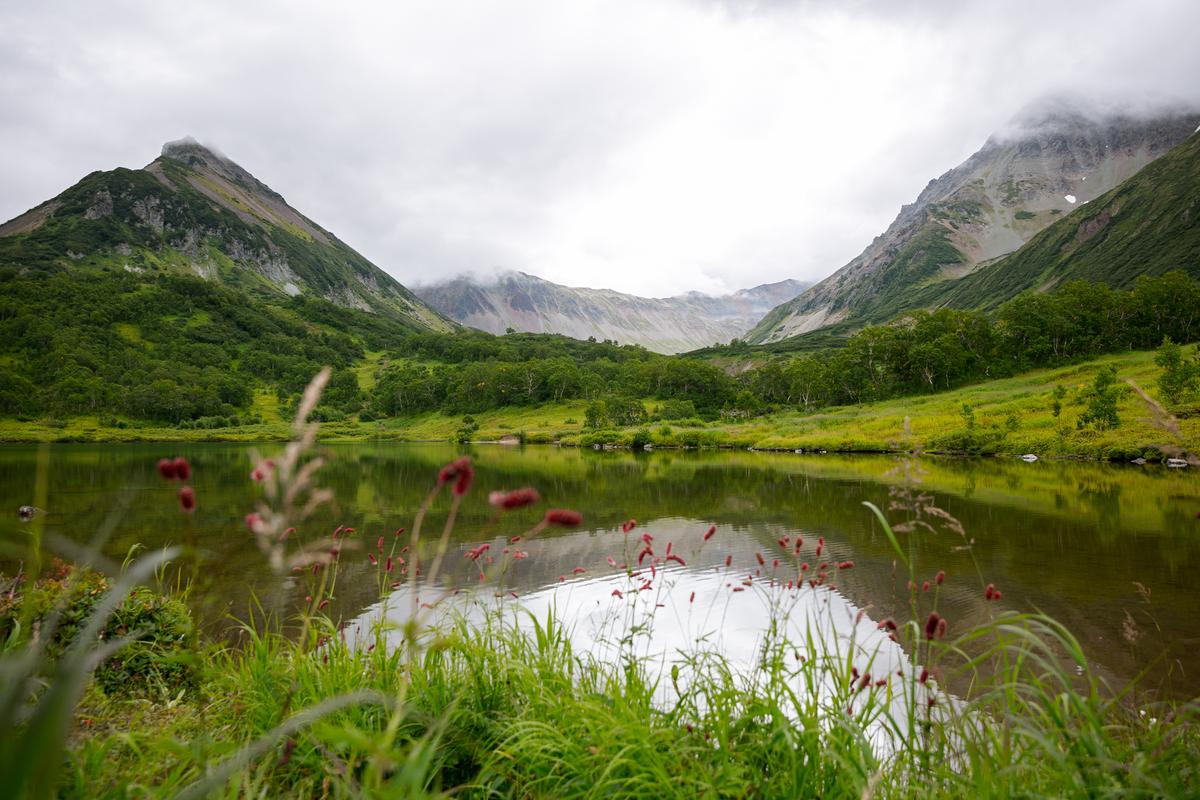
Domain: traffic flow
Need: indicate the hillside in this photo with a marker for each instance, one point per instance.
(1053, 159)
(1148, 225)
(665, 325)
(193, 211)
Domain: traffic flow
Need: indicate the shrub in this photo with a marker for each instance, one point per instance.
(160, 660)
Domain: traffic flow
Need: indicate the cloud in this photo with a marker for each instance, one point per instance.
(653, 146)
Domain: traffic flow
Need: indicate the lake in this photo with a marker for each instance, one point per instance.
(1112, 551)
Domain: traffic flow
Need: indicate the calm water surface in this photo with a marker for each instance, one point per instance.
(1112, 551)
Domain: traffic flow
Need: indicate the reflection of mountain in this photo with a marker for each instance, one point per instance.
(1065, 537)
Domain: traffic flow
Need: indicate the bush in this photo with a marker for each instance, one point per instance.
(160, 660)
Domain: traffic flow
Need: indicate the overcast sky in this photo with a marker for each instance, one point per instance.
(647, 146)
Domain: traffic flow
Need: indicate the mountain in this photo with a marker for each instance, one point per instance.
(1148, 225)
(1052, 159)
(666, 325)
(194, 211)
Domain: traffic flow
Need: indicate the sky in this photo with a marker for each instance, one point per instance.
(647, 146)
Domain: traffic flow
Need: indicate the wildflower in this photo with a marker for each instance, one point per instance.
(924, 676)
(517, 498)
(739, 588)
(996, 595)
(611, 562)
(520, 554)
(761, 560)
(398, 532)
(846, 565)
(187, 499)
(692, 598)
(824, 565)
(887, 624)
(941, 628)
(775, 563)
(865, 682)
(374, 561)
(783, 542)
(799, 544)
(804, 567)
(286, 533)
(323, 603)
(617, 593)
(388, 565)
(709, 534)
(166, 468)
(183, 470)
(252, 521)
(728, 559)
(379, 545)
(628, 525)
(940, 577)
(925, 586)
(461, 472)
(578, 571)
(931, 625)
(648, 539)
(564, 517)
(990, 592)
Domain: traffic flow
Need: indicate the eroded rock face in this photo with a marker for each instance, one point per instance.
(666, 325)
(1021, 181)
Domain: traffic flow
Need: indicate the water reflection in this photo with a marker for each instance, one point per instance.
(1093, 545)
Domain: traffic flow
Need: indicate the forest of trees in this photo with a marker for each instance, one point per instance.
(183, 351)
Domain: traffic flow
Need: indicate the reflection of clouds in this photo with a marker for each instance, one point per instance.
(685, 613)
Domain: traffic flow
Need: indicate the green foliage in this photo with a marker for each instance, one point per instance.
(1178, 375)
(467, 430)
(1056, 405)
(1101, 399)
(159, 661)
(1024, 215)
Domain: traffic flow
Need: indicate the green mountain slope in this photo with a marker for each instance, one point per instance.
(194, 211)
(1050, 162)
(1148, 225)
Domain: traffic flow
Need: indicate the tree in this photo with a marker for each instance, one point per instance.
(1101, 411)
(1178, 375)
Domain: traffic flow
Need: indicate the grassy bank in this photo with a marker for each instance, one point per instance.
(1010, 416)
(463, 693)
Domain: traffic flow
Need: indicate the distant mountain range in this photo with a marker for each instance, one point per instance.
(194, 211)
(666, 325)
(949, 245)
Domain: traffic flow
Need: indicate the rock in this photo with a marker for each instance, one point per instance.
(1029, 458)
(1138, 461)
(26, 513)
(1176, 463)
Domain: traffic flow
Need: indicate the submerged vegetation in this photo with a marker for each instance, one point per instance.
(440, 690)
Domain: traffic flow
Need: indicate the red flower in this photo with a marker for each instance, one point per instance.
(692, 598)
(924, 676)
(761, 561)
(578, 571)
(371, 557)
(166, 468)
(187, 499)
(564, 517)
(379, 545)
(461, 472)
(941, 628)
(183, 470)
(628, 525)
(846, 565)
(617, 593)
(252, 521)
(728, 559)
(709, 534)
(931, 625)
(517, 498)
(989, 592)
(388, 567)
(925, 586)
(940, 577)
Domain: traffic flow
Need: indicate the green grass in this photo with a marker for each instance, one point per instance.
(875, 427)
(496, 710)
